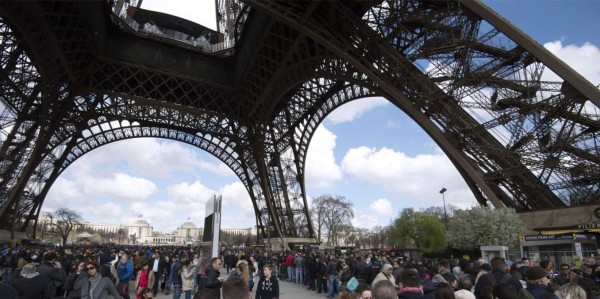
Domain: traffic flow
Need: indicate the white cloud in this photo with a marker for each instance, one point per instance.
(119, 185)
(584, 59)
(415, 180)
(150, 156)
(321, 170)
(355, 109)
(381, 207)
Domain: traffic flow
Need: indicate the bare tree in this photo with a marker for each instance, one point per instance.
(318, 212)
(66, 220)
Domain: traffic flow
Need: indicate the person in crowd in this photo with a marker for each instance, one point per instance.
(334, 276)
(242, 271)
(360, 270)
(170, 263)
(236, 288)
(497, 275)
(385, 274)
(176, 269)
(591, 288)
(563, 274)
(157, 265)
(346, 273)
(537, 283)
(385, 290)
(574, 275)
(187, 278)
(77, 273)
(311, 272)
(374, 268)
(144, 279)
(146, 293)
(523, 266)
(96, 286)
(140, 261)
(444, 267)
(548, 266)
(321, 274)
(363, 291)
(52, 268)
(8, 263)
(504, 291)
(268, 286)
(397, 269)
(7, 291)
(289, 262)
(444, 291)
(299, 266)
(347, 295)
(214, 281)
(31, 285)
(124, 273)
(410, 285)
(463, 294)
(571, 290)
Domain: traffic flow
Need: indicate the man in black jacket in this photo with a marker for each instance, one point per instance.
(214, 281)
(157, 265)
(498, 275)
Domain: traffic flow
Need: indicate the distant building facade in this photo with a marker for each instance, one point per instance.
(141, 232)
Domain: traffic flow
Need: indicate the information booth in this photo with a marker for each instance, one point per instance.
(560, 248)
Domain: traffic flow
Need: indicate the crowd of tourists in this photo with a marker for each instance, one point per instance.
(388, 277)
(97, 271)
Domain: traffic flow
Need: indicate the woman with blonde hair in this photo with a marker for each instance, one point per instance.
(242, 271)
(571, 291)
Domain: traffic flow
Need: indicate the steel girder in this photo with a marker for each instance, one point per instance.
(388, 43)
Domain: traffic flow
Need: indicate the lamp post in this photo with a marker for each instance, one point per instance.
(444, 200)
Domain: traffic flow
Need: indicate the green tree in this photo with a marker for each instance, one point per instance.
(483, 226)
(419, 229)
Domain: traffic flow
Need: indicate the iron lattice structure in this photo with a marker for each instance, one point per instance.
(77, 75)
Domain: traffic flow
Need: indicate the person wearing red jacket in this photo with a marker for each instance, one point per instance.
(289, 262)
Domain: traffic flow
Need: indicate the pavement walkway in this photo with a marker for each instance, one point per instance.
(288, 290)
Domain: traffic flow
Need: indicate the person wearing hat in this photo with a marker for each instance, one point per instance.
(32, 285)
(537, 283)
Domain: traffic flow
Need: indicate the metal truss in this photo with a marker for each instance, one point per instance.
(471, 80)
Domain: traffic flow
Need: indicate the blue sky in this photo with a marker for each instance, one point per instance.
(367, 150)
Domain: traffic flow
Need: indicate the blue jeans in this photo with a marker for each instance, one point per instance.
(6, 274)
(290, 271)
(188, 294)
(177, 291)
(168, 285)
(299, 276)
(333, 285)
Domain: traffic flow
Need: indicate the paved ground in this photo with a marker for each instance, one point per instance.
(288, 291)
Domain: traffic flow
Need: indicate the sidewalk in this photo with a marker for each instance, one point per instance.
(288, 290)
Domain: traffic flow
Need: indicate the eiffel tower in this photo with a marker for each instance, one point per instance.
(77, 75)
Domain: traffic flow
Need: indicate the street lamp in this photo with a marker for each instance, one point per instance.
(444, 200)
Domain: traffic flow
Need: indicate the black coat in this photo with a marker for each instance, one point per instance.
(39, 287)
(161, 266)
(212, 281)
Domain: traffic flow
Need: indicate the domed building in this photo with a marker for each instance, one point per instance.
(188, 233)
(141, 232)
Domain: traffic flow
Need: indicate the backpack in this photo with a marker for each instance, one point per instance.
(492, 279)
